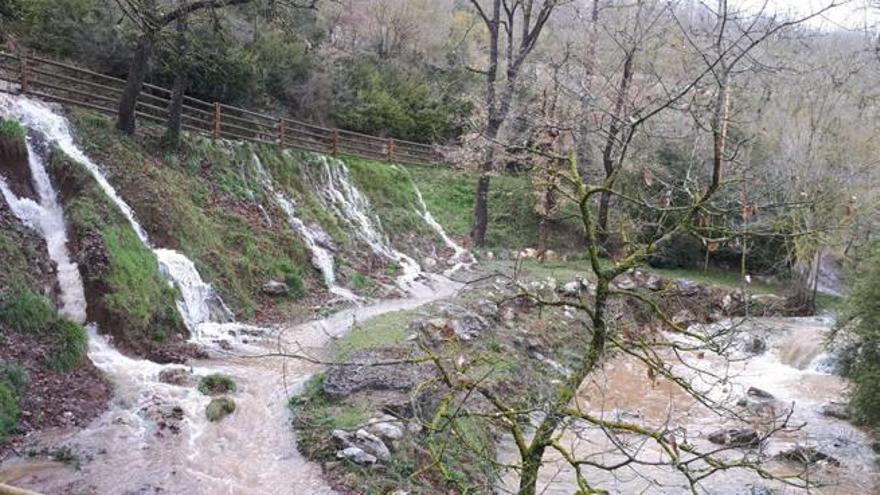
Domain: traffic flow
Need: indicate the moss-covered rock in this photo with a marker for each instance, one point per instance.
(216, 384)
(219, 408)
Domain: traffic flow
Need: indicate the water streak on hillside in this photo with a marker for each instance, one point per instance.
(47, 217)
(199, 302)
(339, 194)
(461, 258)
(318, 242)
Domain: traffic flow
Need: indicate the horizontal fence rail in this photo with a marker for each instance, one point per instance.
(68, 84)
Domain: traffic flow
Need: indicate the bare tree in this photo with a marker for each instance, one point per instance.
(514, 28)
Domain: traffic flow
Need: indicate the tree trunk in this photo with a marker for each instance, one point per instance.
(481, 210)
(175, 108)
(137, 72)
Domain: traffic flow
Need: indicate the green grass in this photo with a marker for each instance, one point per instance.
(9, 410)
(378, 332)
(725, 279)
(206, 203)
(216, 384)
(27, 311)
(391, 195)
(134, 297)
(12, 129)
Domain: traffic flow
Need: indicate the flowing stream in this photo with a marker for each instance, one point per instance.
(47, 217)
(155, 435)
(316, 239)
(337, 191)
(461, 258)
(791, 369)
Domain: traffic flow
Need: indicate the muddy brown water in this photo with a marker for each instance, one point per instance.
(252, 451)
(791, 370)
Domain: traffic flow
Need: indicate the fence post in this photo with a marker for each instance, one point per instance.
(216, 120)
(335, 144)
(390, 149)
(24, 72)
(281, 132)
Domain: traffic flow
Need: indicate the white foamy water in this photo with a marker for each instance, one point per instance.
(315, 238)
(199, 302)
(47, 217)
(461, 258)
(339, 194)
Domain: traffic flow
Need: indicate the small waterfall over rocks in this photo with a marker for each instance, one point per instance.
(47, 217)
(318, 241)
(461, 258)
(336, 189)
(199, 304)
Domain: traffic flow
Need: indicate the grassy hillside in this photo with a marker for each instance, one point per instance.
(513, 222)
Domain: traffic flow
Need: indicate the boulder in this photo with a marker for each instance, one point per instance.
(275, 288)
(837, 410)
(571, 289)
(357, 456)
(807, 456)
(219, 408)
(361, 440)
(342, 381)
(760, 394)
(428, 263)
(736, 437)
(753, 344)
(386, 427)
(487, 309)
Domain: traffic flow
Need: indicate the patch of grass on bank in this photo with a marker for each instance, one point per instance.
(12, 129)
(719, 278)
(381, 331)
(391, 194)
(26, 311)
(124, 287)
(208, 203)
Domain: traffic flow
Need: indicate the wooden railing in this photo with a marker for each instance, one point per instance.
(68, 84)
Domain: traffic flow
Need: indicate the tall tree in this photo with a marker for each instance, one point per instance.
(514, 28)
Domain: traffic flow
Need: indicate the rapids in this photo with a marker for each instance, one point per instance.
(790, 369)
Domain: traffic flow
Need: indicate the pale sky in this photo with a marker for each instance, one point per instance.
(852, 14)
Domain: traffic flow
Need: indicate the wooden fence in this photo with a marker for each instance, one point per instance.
(68, 84)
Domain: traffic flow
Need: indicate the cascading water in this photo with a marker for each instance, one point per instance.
(47, 217)
(316, 239)
(199, 303)
(339, 194)
(460, 257)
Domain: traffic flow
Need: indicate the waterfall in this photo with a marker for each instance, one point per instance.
(339, 194)
(460, 257)
(318, 242)
(47, 217)
(199, 303)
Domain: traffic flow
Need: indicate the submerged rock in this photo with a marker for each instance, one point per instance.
(753, 344)
(736, 437)
(219, 408)
(837, 410)
(177, 376)
(807, 456)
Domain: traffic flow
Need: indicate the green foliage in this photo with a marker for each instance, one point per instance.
(219, 408)
(361, 282)
(859, 330)
(680, 251)
(377, 332)
(216, 384)
(71, 347)
(27, 311)
(391, 194)
(14, 376)
(9, 410)
(293, 279)
(12, 129)
(382, 98)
